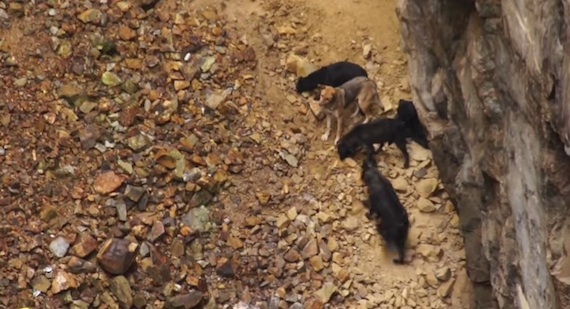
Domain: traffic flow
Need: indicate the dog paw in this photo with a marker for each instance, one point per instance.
(324, 137)
(336, 140)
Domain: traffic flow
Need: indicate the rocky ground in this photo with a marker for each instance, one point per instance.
(154, 155)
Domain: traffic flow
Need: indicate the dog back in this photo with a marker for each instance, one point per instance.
(384, 200)
(353, 87)
(379, 131)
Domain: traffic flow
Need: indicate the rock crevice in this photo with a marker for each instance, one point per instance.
(491, 81)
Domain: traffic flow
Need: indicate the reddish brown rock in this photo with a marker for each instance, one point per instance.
(108, 182)
(117, 255)
(84, 245)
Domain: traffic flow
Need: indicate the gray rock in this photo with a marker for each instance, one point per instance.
(59, 247)
(197, 219)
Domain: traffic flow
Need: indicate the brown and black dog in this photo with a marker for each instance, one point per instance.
(334, 100)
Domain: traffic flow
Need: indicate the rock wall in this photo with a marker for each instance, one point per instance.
(491, 81)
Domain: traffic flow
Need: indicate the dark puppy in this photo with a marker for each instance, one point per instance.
(384, 203)
(334, 75)
(379, 131)
(408, 114)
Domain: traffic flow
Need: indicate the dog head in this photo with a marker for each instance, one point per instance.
(406, 110)
(344, 149)
(326, 94)
(305, 84)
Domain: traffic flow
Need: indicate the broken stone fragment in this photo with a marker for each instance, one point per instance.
(225, 268)
(117, 255)
(156, 232)
(63, 281)
(134, 193)
(84, 245)
(185, 301)
(108, 182)
(78, 266)
(121, 288)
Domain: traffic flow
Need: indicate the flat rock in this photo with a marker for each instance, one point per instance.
(197, 219)
(310, 249)
(84, 245)
(351, 224)
(430, 252)
(41, 283)
(185, 301)
(121, 288)
(325, 293)
(317, 263)
(418, 153)
(400, 184)
(108, 182)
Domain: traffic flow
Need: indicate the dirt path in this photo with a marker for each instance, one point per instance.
(324, 190)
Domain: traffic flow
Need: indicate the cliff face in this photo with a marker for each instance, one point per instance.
(491, 81)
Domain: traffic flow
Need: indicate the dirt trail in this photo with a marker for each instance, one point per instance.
(323, 186)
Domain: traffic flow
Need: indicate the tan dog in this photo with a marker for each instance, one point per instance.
(335, 100)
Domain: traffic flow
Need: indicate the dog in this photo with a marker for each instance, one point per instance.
(335, 100)
(383, 202)
(407, 113)
(334, 75)
(379, 131)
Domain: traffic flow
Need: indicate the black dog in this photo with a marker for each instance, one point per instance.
(408, 114)
(334, 75)
(378, 131)
(384, 203)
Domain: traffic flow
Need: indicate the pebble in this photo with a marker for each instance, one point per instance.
(59, 247)
(426, 187)
(443, 274)
(425, 205)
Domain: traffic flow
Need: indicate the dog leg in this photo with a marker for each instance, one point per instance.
(339, 124)
(356, 111)
(401, 144)
(370, 150)
(325, 136)
(401, 257)
(400, 245)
